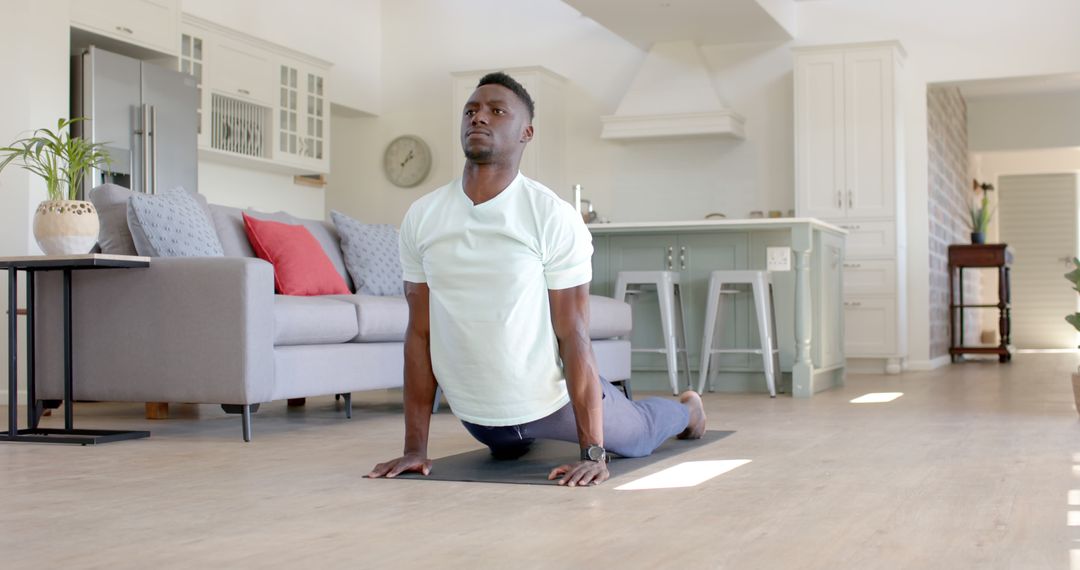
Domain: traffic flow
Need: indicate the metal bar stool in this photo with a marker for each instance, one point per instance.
(761, 285)
(671, 310)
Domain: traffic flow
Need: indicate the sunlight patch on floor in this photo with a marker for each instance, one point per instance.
(688, 474)
(877, 397)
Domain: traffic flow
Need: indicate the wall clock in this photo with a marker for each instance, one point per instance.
(407, 161)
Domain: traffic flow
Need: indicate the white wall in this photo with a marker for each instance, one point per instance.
(264, 191)
(34, 58)
(1028, 121)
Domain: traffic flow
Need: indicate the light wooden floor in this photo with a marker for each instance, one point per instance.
(971, 468)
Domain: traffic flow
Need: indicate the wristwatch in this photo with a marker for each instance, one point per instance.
(594, 453)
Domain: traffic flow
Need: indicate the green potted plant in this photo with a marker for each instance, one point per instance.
(63, 225)
(981, 211)
(1074, 320)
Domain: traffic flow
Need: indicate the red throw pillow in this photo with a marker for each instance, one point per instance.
(301, 267)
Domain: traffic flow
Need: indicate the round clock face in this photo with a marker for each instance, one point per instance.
(407, 161)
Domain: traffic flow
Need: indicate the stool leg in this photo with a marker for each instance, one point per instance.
(764, 318)
(712, 305)
(680, 330)
(666, 295)
(620, 289)
(775, 338)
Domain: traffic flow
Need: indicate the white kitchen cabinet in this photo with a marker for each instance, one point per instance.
(544, 159)
(846, 132)
(151, 24)
(870, 324)
(242, 70)
(848, 159)
(261, 105)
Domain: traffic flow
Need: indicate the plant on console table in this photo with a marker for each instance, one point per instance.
(981, 211)
(1074, 320)
(63, 225)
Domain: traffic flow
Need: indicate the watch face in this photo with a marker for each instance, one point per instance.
(407, 161)
(595, 453)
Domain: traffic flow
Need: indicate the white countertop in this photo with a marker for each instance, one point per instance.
(726, 223)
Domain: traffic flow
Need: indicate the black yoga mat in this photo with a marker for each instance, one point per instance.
(543, 456)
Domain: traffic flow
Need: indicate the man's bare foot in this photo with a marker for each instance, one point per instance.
(696, 428)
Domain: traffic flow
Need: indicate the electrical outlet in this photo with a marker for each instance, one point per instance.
(778, 258)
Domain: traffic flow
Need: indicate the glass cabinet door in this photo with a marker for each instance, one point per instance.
(316, 109)
(289, 140)
(191, 62)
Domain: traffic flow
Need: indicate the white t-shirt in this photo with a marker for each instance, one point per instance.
(488, 268)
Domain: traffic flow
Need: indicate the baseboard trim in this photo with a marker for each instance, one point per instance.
(926, 365)
(21, 394)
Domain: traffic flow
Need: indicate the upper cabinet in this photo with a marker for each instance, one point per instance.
(846, 132)
(150, 24)
(544, 159)
(261, 105)
(303, 122)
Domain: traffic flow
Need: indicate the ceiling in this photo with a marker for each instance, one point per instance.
(1031, 85)
(645, 22)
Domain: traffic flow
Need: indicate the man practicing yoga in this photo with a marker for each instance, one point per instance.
(497, 270)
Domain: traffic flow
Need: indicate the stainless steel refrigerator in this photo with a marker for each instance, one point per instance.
(145, 115)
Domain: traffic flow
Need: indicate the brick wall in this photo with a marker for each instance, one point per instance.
(949, 198)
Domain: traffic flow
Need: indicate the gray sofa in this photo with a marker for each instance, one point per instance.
(210, 330)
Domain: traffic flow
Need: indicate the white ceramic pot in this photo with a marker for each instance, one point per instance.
(66, 227)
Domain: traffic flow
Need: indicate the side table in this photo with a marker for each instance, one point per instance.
(31, 265)
(991, 255)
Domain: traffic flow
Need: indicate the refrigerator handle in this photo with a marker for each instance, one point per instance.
(145, 132)
(153, 148)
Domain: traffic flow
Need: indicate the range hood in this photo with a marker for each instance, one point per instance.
(672, 95)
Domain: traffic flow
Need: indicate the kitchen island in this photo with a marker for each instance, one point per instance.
(808, 298)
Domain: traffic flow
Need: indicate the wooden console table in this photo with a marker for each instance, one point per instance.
(994, 255)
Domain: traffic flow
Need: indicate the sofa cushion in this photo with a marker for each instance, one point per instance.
(229, 223)
(174, 223)
(312, 320)
(111, 202)
(371, 255)
(380, 319)
(608, 318)
(300, 266)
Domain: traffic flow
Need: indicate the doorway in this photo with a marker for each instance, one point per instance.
(1038, 219)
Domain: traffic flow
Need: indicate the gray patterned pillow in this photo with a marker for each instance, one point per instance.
(171, 224)
(371, 255)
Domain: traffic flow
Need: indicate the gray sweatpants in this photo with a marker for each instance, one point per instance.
(631, 428)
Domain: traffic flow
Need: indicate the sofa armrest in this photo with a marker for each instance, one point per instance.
(184, 329)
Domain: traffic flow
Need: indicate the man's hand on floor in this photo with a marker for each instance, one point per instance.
(581, 473)
(408, 462)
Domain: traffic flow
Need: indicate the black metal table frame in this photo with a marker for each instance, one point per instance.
(32, 433)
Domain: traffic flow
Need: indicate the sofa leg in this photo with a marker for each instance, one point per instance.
(245, 410)
(157, 410)
(246, 423)
(348, 403)
(296, 402)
